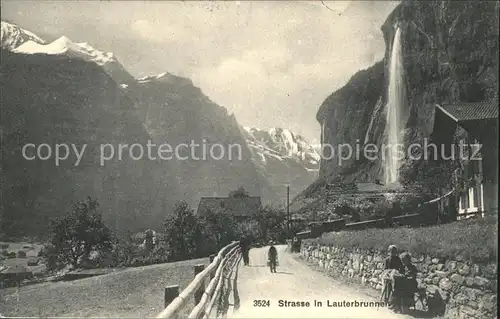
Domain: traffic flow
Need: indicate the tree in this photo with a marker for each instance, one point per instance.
(248, 229)
(78, 234)
(219, 228)
(350, 207)
(240, 192)
(270, 221)
(183, 232)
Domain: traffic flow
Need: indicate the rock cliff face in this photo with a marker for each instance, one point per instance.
(350, 116)
(450, 53)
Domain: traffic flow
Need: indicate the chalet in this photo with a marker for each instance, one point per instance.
(241, 208)
(477, 124)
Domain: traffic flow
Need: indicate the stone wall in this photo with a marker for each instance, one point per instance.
(466, 289)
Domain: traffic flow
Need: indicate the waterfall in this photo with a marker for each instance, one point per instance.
(395, 104)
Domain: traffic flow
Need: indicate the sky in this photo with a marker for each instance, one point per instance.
(272, 64)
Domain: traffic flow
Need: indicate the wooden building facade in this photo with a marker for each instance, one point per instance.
(476, 151)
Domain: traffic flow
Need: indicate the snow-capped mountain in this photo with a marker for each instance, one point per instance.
(63, 45)
(13, 36)
(149, 78)
(165, 78)
(282, 144)
(22, 41)
(283, 158)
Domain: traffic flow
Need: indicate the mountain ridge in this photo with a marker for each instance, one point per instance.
(161, 108)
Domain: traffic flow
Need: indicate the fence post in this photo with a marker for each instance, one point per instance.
(199, 293)
(212, 275)
(171, 292)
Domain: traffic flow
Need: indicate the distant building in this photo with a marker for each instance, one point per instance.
(241, 208)
(479, 178)
(14, 275)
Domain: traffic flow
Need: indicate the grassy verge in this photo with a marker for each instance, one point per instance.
(131, 293)
(474, 239)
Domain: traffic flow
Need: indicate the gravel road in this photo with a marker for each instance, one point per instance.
(261, 292)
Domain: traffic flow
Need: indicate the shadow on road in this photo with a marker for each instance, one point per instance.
(419, 314)
(257, 266)
(284, 273)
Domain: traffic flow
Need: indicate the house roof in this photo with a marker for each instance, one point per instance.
(238, 206)
(15, 269)
(471, 111)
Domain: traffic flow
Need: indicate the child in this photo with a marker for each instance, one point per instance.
(272, 256)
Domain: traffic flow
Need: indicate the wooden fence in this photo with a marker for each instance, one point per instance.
(215, 297)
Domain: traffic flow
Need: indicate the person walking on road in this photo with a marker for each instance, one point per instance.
(272, 256)
(245, 250)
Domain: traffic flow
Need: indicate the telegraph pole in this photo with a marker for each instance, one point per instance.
(288, 209)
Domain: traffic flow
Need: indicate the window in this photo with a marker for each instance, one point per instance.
(463, 200)
(472, 198)
(477, 195)
(467, 203)
(465, 147)
(471, 170)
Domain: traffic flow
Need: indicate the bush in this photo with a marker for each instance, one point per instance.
(474, 239)
(137, 262)
(124, 250)
(21, 254)
(12, 255)
(5, 252)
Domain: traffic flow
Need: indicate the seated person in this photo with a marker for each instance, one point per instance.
(410, 274)
(404, 285)
(393, 261)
